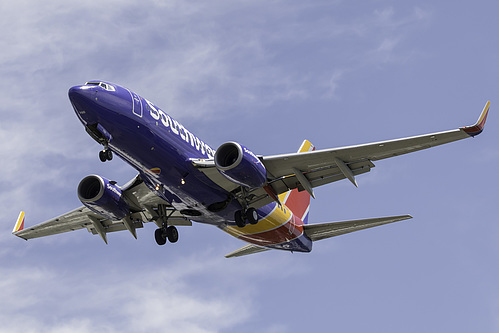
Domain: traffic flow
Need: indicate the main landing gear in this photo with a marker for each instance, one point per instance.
(166, 232)
(242, 217)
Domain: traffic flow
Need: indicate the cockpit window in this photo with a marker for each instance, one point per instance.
(104, 85)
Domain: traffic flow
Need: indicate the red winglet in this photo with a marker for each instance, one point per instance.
(478, 127)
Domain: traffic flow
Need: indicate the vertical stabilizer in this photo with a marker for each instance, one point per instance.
(299, 202)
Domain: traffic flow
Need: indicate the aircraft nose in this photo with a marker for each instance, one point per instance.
(82, 98)
(79, 94)
(99, 102)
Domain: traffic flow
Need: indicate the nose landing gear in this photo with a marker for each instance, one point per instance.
(105, 155)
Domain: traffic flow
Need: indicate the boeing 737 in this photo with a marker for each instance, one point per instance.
(262, 200)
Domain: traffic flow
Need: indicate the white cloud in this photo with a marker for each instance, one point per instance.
(120, 300)
(334, 83)
(184, 57)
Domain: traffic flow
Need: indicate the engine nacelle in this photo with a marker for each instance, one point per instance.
(103, 197)
(238, 164)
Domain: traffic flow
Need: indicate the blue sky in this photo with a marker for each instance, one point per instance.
(267, 74)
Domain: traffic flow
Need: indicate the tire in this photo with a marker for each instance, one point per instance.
(102, 156)
(239, 218)
(109, 154)
(160, 238)
(172, 234)
(252, 216)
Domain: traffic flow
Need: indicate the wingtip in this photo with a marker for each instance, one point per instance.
(306, 146)
(19, 226)
(477, 128)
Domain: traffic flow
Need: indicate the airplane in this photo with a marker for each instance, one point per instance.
(262, 200)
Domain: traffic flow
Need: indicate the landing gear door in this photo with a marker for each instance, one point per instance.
(136, 104)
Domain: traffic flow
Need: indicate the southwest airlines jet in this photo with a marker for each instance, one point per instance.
(262, 200)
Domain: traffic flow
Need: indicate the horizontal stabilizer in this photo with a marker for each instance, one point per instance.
(326, 230)
(245, 250)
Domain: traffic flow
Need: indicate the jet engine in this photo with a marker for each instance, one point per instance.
(240, 165)
(103, 197)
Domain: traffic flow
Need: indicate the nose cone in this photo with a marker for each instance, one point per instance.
(83, 98)
(100, 102)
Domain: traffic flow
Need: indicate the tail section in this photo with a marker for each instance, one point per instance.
(299, 202)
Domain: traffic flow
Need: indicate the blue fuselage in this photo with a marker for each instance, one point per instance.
(160, 148)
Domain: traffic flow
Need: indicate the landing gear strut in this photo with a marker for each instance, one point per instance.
(249, 215)
(166, 232)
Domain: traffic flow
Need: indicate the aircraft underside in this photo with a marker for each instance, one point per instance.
(262, 200)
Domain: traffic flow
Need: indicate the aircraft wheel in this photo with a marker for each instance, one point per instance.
(109, 154)
(102, 156)
(160, 237)
(252, 215)
(240, 221)
(172, 234)
(105, 155)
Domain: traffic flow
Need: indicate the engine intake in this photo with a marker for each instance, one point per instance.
(240, 165)
(103, 197)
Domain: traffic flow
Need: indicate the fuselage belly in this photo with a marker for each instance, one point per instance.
(161, 149)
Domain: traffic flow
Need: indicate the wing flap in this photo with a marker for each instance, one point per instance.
(320, 176)
(326, 230)
(110, 226)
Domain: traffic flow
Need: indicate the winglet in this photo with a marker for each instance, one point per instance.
(306, 146)
(20, 223)
(477, 128)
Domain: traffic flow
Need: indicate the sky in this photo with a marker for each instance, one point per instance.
(267, 74)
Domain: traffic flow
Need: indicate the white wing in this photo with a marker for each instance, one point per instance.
(329, 165)
(144, 204)
(315, 168)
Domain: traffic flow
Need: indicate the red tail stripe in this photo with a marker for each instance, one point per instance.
(285, 233)
(298, 202)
